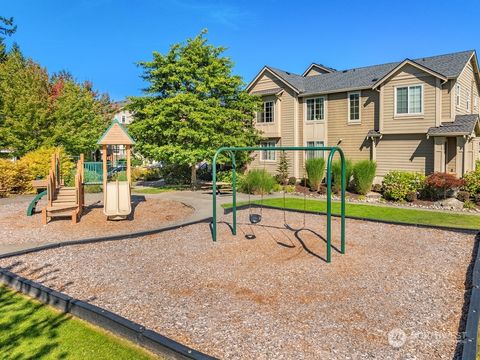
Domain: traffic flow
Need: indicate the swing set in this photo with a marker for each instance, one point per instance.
(255, 218)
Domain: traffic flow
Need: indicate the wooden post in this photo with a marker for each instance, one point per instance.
(105, 171)
(129, 170)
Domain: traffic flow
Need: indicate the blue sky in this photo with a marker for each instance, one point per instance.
(101, 40)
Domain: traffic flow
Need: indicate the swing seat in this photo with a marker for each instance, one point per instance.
(255, 218)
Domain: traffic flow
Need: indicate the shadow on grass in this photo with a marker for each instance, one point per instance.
(26, 332)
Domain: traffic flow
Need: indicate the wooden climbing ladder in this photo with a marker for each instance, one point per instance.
(64, 201)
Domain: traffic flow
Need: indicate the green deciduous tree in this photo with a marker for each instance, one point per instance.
(192, 105)
(80, 116)
(38, 110)
(24, 104)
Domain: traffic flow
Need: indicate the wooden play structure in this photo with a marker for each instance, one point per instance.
(116, 142)
(62, 200)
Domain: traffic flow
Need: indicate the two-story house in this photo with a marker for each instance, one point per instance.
(414, 115)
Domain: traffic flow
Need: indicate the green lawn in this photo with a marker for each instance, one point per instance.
(31, 330)
(158, 190)
(378, 212)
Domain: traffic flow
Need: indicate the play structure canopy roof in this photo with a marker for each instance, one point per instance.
(116, 134)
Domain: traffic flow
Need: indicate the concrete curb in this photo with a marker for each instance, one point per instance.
(112, 322)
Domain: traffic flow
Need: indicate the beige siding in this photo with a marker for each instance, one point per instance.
(469, 88)
(315, 71)
(447, 101)
(409, 152)
(393, 124)
(267, 82)
(354, 142)
(284, 112)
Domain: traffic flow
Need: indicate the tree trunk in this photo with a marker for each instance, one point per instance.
(193, 178)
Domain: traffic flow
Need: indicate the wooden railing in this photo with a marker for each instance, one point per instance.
(53, 181)
(79, 181)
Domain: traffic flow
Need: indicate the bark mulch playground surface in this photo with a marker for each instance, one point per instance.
(397, 293)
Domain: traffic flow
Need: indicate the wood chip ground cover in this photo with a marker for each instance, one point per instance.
(397, 293)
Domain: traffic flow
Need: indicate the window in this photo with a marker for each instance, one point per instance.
(475, 102)
(123, 119)
(354, 107)
(267, 115)
(468, 100)
(316, 109)
(314, 153)
(409, 100)
(267, 155)
(458, 91)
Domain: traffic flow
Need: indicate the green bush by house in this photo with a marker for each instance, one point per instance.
(363, 175)
(397, 185)
(258, 182)
(315, 169)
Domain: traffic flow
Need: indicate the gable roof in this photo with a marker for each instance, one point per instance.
(320, 66)
(446, 66)
(463, 125)
(412, 63)
(281, 75)
(116, 134)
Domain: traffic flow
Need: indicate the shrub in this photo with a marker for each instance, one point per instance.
(441, 185)
(315, 169)
(377, 188)
(174, 174)
(257, 182)
(363, 176)
(472, 182)
(411, 196)
(397, 184)
(469, 205)
(38, 162)
(282, 170)
(289, 188)
(93, 188)
(337, 174)
(463, 196)
(13, 178)
(277, 187)
(152, 174)
(292, 180)
(138, 173)
(477, 199)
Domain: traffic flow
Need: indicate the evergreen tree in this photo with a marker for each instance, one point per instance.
(282, 170)
(192, 105)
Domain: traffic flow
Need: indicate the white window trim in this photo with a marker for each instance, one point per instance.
(274, 102)
(359, 121)
(305, 109)
(314, 141)
(262, 152)
(459, 96)
(397, 115)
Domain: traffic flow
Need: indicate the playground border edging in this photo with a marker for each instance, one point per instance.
(105, 319)
(439, 227)
(102, 238)
(470, 338)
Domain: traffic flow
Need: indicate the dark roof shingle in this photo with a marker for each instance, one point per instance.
(449, 65)
(463, 125)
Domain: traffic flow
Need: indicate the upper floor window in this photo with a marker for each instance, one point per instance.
(123, 119)
(316, 108)
(267, 115)
(468, 100)
(458, 92)
(354, 107)
(314, 153)
(409, 100)
(267, 155)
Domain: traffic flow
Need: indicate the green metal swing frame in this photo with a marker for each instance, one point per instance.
(331, 149)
